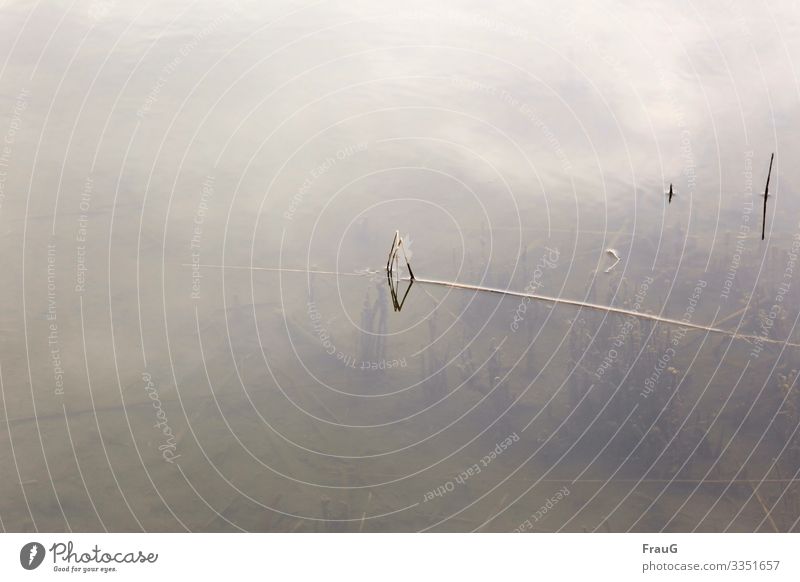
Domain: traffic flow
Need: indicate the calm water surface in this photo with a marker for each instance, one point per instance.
(197, 200)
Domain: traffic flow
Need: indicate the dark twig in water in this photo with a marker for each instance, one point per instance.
(393, 271)
(393, 263)
(766, 194)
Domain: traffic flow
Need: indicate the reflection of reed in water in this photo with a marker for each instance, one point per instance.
(367, 315)
(374, 316)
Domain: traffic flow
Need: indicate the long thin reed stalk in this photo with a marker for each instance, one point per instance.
(605, 308)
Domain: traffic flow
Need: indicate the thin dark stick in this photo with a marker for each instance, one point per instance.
(393, 271)
(392, 250)
(766, 194)
(394, 255)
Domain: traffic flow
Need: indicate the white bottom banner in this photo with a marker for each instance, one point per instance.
(372, 557)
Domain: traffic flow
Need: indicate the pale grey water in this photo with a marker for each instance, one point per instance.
(160, 163)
